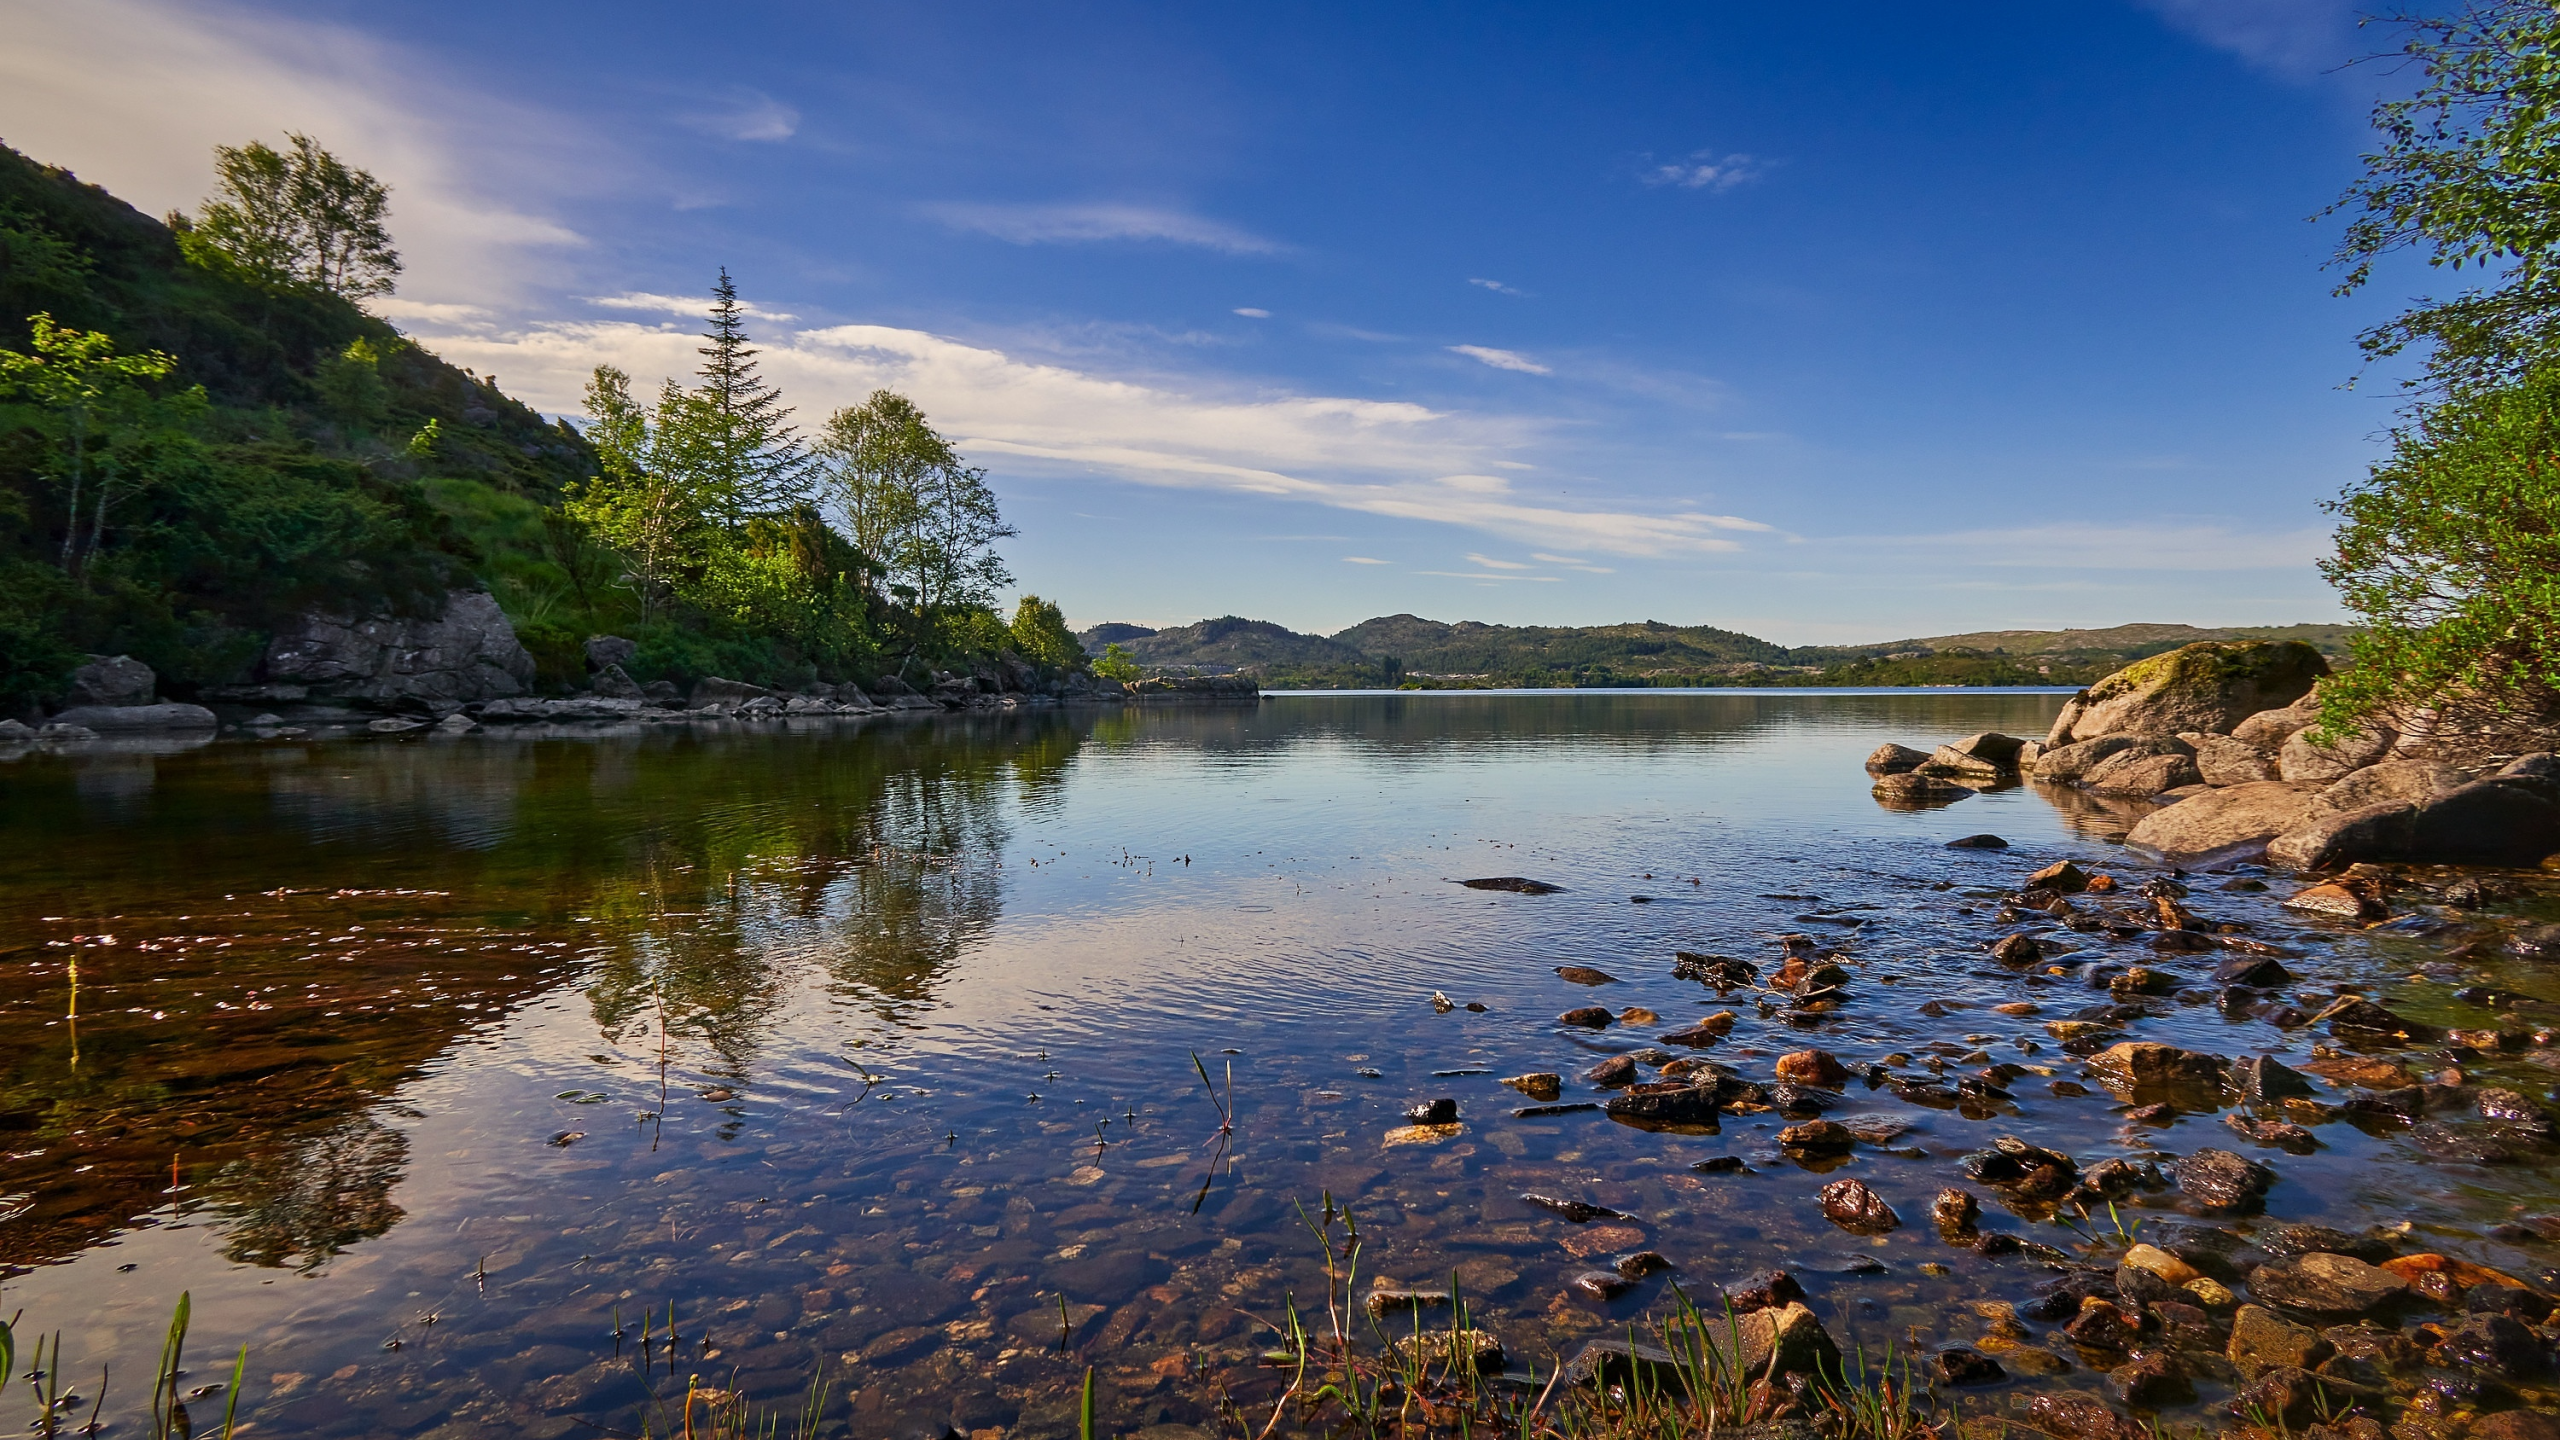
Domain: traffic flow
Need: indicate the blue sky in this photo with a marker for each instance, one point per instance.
(1838, 324)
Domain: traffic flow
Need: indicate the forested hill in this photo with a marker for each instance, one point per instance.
(1411, 651)
(296, 481)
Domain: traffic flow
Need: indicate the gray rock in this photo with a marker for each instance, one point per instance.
(2500, 821)
(467, 653)
(13, 732)
(1917, 792)
(2330, 1286)
(2377, 832)
(59, 733)
(605, 651)
(2229, 824)
(2209, 686)
(2221, 1182)
(111, 681)
(136, 719)
(2134, 774)
(712, 690)
(2540, 765)
(2304, 759)
(611, 683)
(2224, 760)
(2264, 1079)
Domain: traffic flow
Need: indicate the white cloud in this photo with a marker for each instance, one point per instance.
(1497, 287)
(1703, 170)
(134, 95)
(1361, 560)
(1501, 359)
(1375, 457)
(1080, 224)
(2291, 38)
(748, 115)
(1251, 313)
(692, 307)
(400, 307)
(1482, 575)
(1575, 562)
(1490, 563)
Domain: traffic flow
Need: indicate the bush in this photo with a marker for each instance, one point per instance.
(1041, 635)
(2450, 554)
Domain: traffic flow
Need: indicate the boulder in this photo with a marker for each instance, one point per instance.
(2209, 686)
(467, 653)
(611, 683)
(136, 719)
(2386, 782)
(2134, 774)
(2228, 824)
(2224, 760)
(713, 690)
(2305, 759)
(2072, 761)
(607, 651)
(1918, 792)
(111, 682)
(2267, 730)
(1895, 760)
(2499, 821)
(1989, 753)
(2334, 839)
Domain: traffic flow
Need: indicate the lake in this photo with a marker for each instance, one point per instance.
(426, 1065)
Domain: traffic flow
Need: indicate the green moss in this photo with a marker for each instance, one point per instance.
(2212, 665)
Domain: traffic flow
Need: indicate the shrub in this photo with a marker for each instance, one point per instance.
(2450, 554)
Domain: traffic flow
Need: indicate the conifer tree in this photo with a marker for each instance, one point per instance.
(749, 446)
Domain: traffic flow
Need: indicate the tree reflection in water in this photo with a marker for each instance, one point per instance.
(301, 1203)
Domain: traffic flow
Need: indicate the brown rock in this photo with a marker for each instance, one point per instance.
(2346, 902)
(2145, 1064)
(2334, 1287)
(1957, 1213)
(1895, 760)
(2102, 1325)
(1615, 1073)
(2221, 1182)
(1850, 1205)
(1918, 792)
(1539, 1086)
(2389, 781)
(2517, 1425)
(2017, 951)
(2305, 758)
(2267, 730)
(2262, 1340)
(2062, 877)
(2383, 832)
(2068, 1415)
(1817, 1137)
(1585, 975)
(1589, 1017)
(2071, 762)
(1819, 1068)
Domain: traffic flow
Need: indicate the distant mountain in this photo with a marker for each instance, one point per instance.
(1412, 651)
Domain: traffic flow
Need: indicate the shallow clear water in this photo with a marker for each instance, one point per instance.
(421, 1062)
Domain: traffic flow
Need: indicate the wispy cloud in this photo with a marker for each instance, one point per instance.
(1497, 287)
(399, 307)
(1703, 170)
(1487, 575)
(2196, 546)
(1253, 312)
(747, 115)
(1389, 458)
(1501, 359)
(2295, 39)
(1575, 562)
(691, 306)
(1089, 223)
(179, 78)
(1490, 563)
(1362, 560)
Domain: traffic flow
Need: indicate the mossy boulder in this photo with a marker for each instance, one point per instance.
(2207, 687)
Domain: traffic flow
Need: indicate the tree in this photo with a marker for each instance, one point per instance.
(948, 554)
(87, 394)
(648, 503)
(1116, 663)
(2466, 175)
(1040, 632)
(2450, 554)
(872, 463)
(750, 450)
(351, 384)
(300, 216)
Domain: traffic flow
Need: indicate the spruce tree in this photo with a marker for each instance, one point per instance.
(751, 448)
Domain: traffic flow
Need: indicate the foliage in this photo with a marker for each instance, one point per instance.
(296, 217)
(1115, 663)
(871, 464)
(242, 484)
(1040, 635)
(2450, 552)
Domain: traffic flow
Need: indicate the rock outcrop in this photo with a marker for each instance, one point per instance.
(2228, 824)
(2211, 686)
(112, 681)
(467, 653)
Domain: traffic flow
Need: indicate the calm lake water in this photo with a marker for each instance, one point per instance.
(422, 1063)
